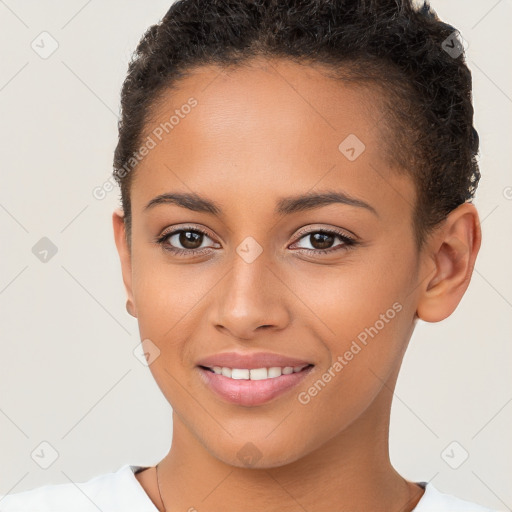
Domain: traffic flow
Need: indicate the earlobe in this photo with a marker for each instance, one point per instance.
(449, 264)
(129, 308)
(123, 250)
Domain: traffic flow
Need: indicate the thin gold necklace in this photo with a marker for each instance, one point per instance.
(159, 491)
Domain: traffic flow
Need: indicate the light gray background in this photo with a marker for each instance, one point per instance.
(68, 374)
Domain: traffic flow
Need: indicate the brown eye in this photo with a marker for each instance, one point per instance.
(185, 241)
(321, 241)
(188, 239)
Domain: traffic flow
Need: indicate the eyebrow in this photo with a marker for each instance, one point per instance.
(284, 206)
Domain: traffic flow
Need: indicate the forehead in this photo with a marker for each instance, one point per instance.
(273, 126)
(284, 106)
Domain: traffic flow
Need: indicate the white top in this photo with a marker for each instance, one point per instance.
(121, 491)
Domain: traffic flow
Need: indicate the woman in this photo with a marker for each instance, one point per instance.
(296, 182)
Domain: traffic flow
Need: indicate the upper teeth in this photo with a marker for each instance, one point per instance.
(256, 373)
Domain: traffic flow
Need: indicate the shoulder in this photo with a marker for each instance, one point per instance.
(434, 500)
(106, 492)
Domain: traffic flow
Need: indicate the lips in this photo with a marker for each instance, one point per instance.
(251, 361)
(247, 392)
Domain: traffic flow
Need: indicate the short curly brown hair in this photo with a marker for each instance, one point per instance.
(400, 48)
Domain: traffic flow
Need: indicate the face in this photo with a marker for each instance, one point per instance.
(251, 269)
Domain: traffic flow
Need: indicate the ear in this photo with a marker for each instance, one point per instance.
(449, 263)
(125, 257)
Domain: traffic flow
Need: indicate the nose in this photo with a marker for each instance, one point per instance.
(250, 299)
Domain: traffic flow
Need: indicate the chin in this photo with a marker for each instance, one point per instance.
(258, 454)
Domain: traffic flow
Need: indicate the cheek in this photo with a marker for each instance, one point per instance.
(345, 300)
(368, 328)
(166, 294)
(362, 315)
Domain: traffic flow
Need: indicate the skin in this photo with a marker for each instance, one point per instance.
(260, 133)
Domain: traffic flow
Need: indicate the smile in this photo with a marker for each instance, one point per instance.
(254, 386)
(256, 373)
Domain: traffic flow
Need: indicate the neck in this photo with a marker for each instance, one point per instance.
(351, 471)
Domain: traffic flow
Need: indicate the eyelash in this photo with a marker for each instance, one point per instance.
(348, 242)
